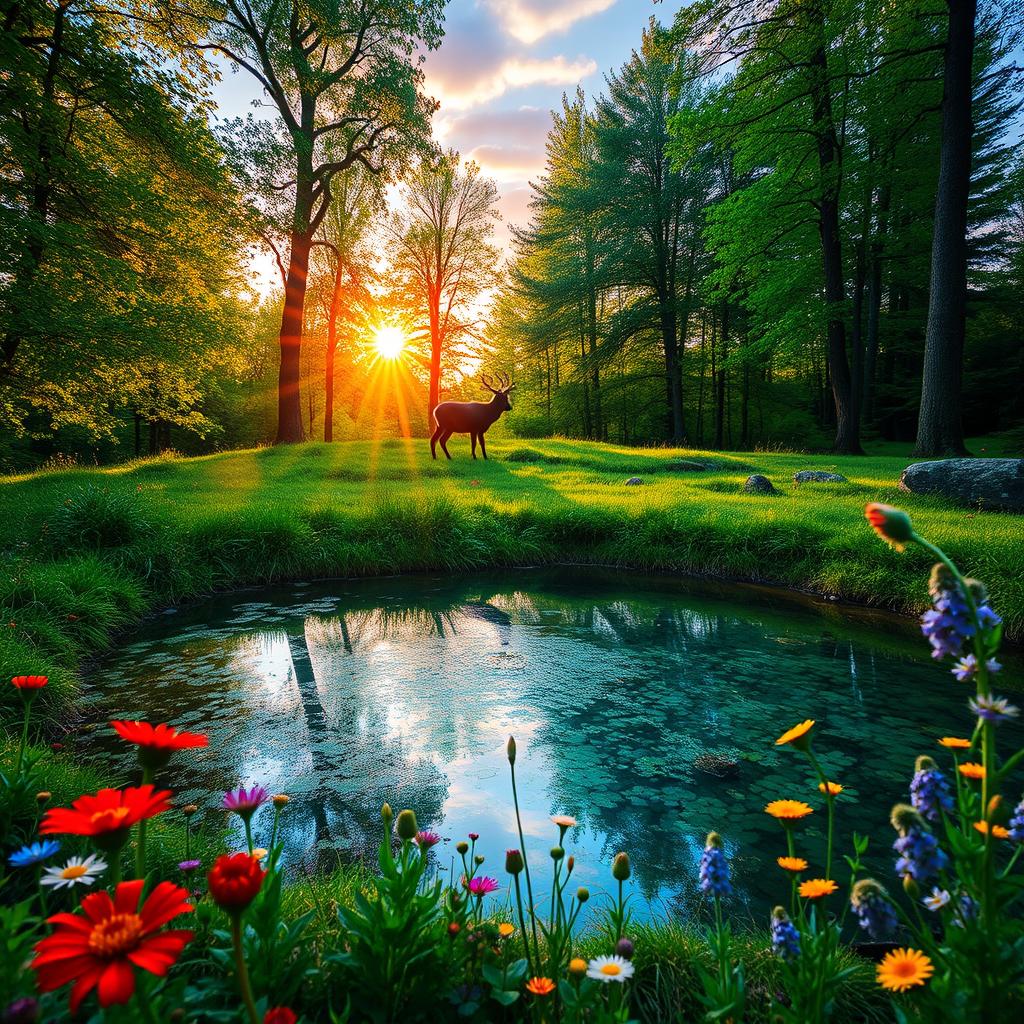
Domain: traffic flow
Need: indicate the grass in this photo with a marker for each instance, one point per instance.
(87, 551)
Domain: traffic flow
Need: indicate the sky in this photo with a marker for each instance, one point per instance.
(501, 69)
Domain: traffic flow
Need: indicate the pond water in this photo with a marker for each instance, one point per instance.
(617, 688)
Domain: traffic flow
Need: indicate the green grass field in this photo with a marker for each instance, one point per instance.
(87, 551)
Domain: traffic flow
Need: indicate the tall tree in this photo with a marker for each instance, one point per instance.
(443, 258)
(344, 79)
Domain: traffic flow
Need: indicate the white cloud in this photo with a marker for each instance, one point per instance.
(462, 88)
(530, 20)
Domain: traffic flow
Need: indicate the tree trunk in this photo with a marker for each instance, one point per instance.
(674, 381)
(720, 380)
(874, 302)
(289, 402)
(939, 425)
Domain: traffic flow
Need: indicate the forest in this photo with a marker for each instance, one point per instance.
(778, 225)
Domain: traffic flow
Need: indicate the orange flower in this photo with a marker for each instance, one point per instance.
(792, 863)
(156, 743)
(902, 969)
(788, 810)
(505, 929)
(798, 736)
(830, 788)
(815, 888)
(100, 947)
(997, 830)
(29, 682)
(891, 524)
(972, 770)
(540, 986)
(107, 815)
(954, 743)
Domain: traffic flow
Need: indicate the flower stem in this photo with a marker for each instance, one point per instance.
(522, 922)
(140, 848)
(526, 865)
(24, 738)
(241, 970)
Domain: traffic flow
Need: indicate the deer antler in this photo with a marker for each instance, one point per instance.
(485, 379)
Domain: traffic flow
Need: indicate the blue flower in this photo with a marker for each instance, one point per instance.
(870, 902)
(967, 667)
(785, 937)
(929, 790)
(34, 853)
(947, 624)
(967, 911)
(1017, 823)
(993, 709)
(714, 870)
(920, 855)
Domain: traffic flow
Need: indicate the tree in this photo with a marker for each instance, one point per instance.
(442, 255)
(344, 81)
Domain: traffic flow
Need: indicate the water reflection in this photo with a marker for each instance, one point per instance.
(644, 708)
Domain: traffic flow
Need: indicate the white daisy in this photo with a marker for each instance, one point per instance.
(937, 900)
(610, 968)
(77, 871)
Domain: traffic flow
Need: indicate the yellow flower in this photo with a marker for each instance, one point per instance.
(830, 788)
(505, 929)
(972, 770)
(540, 986)
(902, 969)
(798, 736)
(280, 800)
(792, 863)
(788, 810)
(954, 743)
(815, 888)
(577, 967)
(997, 830)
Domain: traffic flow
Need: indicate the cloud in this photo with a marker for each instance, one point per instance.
(530, 20)
(477, 62)
(507, 144)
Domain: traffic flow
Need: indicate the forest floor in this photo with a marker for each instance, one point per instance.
(86, 552)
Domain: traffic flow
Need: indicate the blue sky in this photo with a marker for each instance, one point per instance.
(501, 69)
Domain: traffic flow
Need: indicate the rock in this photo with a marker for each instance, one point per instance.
(717, 765)
(758, 484)
(988, 483)
(634, 481)
(817, 476)
(682, 466)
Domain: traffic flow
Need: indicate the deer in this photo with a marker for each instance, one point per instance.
(471, 418)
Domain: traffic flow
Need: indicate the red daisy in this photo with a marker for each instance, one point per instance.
(99, 948)
(108, 814)
(234, 881)
(30, 682)
(156, 743)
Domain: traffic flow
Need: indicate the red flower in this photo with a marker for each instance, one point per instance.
(156, 743)
(29, 682)
(108, 814)
(279, 1015)
(100, 947)
(234, 880)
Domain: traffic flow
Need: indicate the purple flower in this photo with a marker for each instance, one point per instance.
(870, 902)
(22, 1011)
(188, 866)
(929, 790)
(482, 885)
(785, 937)
(993, 709)
(919, 855)
(1017, 823)
(966, 668)
(245, 802)
(714, 871)
(425, 840)
(947, 624)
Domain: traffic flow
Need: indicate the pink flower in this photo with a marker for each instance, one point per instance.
(245, 802)
(482, 885)
(425, 840)
(474, 836)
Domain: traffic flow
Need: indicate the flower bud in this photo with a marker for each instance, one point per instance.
(569, 865)
(713, 839)
(624, 948)
(406, 825)
(904, 818)
(994, 812)
(513, 862)
(386, 814)
(43, 796)
(620, 867)
(925, 764)
(478, 859)
(582, 894)
(910, 887)
(891, 524)
(557, 853)
(578, 967)
(510, 750)
(189, 809)
(281, 800)
(453, 929)
(462, 846)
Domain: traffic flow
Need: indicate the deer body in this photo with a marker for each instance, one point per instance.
(471, 418)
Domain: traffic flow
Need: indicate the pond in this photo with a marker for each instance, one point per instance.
(647, 707)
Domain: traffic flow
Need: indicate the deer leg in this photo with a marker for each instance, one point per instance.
(472, 441)
(483, 447)
(433, 442)
(444, 446)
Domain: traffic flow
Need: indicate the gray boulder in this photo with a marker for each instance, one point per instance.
(987, 483)
(758, 484)
(818, 476)
(684, 466)
(634, 481)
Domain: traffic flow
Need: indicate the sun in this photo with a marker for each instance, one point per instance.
(389, 342)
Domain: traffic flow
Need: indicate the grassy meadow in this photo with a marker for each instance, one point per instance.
(87, 551)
